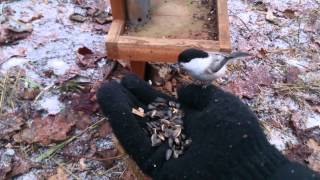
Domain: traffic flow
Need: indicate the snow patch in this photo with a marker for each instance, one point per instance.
(280, 139)
(58, 66)
(51, 104)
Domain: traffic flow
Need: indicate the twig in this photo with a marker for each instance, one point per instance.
(14, 87)
(3, 93)
(42, 92)
(94, 158)
(299, 22)
(66, 169)
(234, 15)
(54, 149)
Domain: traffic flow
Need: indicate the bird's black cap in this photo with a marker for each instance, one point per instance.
(189, 54)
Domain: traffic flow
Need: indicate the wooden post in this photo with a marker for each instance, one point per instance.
(139, 68)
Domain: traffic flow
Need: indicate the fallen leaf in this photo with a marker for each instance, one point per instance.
(128, 175)
(82, 120)
(11, 52)
(261, 6)
(289, 13)
(29, 93)
(87, 58)
(8, 36)
(82, 164)
(9, 124)
(84, 102)
(270, 17)
(48, 129)
(78, 147)
(292, 74)
(61, 175)
(20, 165)
(314, 159)
(262, 53)
(6, 163)
(71, 73)
(33, 18)
(316, 109)
(250, 86)
(298, 153)
(168, 86)
(105, 129)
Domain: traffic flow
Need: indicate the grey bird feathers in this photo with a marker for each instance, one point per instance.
(206, 66)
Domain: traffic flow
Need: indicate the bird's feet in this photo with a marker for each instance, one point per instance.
(203, 84)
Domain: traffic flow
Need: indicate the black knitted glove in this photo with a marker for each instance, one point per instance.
(227, 142)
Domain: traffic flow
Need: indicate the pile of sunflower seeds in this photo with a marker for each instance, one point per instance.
(166, 125)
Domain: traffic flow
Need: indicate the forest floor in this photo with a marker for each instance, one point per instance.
(52, 60)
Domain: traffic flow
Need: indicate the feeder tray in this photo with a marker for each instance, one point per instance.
(143, 46)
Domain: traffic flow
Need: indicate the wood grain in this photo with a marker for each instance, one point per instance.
(138, 67)
(223, 23)
(115, 30)
(157, 50)
(118, 9)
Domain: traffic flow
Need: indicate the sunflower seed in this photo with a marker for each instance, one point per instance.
(161, 100)
(176, 132)
(155, 141)
(170, 142)
(166, 124)
(187, 142)
(161, 136)
(175, 154)
(168, 154)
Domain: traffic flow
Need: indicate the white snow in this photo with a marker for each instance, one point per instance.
(51, 104)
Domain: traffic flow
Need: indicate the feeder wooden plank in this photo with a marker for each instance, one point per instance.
(154, 49)
(223, 23)
(114, 33)
(118, 9)
(138, 67)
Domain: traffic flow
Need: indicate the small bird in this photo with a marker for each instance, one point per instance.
(206, 66)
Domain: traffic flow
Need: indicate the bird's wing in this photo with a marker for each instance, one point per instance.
(218, 62)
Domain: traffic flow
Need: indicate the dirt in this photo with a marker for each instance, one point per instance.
(45, 72)
(180, 19)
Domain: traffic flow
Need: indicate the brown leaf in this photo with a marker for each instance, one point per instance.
(298, 153)
(105, 129)
(289, 13)
(82, 120)
(48, 129)
(262, 53)
(77, 148)
(9, 123)
(84, 102)
(314, 159)
(86, 58)
(70, 74)
(128, 175)
(107, 155)
(6, 163)
(29, 94)
(168, 86)
(61, 175)
(7, 36)
(292, 74)
(20, 166)
(250, 87)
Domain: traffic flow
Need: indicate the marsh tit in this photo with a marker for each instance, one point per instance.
(206, 66)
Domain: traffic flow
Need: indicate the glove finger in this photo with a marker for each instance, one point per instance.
(114, 103)
(196, 96)
(141, 89)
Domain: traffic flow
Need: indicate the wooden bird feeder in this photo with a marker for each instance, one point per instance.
(150, 45)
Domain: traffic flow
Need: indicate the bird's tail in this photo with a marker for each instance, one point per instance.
(237, 55)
